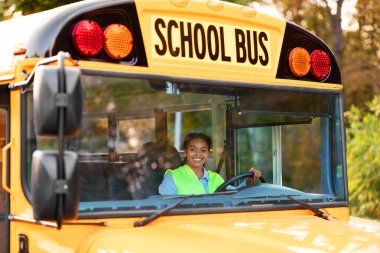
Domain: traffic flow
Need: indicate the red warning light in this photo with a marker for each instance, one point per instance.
(88, 38)
(320, 64)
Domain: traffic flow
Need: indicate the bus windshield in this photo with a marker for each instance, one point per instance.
(293, 137)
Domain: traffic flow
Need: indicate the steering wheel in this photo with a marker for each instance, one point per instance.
(223, 186)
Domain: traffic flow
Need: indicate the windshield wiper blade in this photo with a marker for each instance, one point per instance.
(316, 211)
(182, 199)
(160, 213)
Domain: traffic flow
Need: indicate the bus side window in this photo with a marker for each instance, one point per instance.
(4, 203)
(3, 195)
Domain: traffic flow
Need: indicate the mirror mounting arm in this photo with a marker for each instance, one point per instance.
(29, 78)
(61, 141)
(61, 186)
(62, 100)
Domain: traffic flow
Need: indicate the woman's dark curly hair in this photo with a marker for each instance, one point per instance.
(191, 136)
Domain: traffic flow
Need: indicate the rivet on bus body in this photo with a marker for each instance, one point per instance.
(248, 12)
(180, 3)
(215, 5)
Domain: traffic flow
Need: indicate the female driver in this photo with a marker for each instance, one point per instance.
(192, 177)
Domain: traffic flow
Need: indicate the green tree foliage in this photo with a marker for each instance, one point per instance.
(360, 72)
(241, 2)
(363, 143)
(33, 6)
(5, 9)
(307, 14)
(316, 20)
(335, 18)
(361, 59)
(368, 17)
(8, 7)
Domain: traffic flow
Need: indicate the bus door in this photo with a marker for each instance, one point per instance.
(4, 196)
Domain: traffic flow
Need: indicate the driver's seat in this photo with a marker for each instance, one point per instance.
(153, 159)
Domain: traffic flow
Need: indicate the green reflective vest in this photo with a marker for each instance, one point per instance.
(188, 183)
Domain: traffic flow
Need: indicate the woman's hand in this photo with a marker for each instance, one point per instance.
(256, 174)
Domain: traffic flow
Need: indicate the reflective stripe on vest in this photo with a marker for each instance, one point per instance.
(188, 183)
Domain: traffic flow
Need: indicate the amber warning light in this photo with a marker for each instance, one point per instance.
(301, 63)
(89, 39)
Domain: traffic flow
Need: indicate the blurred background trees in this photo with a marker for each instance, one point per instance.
(9, 7)
(358, 52)
(363, 139)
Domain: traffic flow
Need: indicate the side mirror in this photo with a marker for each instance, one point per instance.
(46, 186)
(57, 110)
(47, 100)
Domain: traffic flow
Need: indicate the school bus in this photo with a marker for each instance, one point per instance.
(97, 96)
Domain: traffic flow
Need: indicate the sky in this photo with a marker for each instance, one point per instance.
(348, 11)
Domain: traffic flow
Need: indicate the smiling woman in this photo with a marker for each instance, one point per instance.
(192, 177)
(197, 147)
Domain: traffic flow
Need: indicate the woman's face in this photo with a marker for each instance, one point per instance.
(196, 153)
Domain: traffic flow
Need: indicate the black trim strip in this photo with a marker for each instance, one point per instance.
(344, 150)
(212, 210)
(24, 174)
(205, 81)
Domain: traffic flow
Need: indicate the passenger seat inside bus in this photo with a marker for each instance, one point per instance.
(153, 159)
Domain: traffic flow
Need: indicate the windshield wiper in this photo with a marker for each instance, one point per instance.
(160, 213)
(316, 211)
(182, 199)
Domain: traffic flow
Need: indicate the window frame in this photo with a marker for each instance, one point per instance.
(195, 81)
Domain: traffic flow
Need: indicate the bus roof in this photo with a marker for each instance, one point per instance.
(45, 34)
(19, 31)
